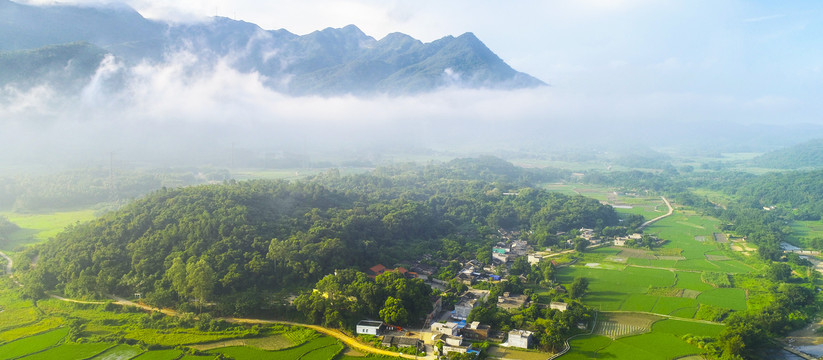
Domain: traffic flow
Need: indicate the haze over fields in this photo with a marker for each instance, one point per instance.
(697, 75)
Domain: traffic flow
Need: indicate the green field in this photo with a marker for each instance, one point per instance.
(32, 344)
(160, 355)
(805, 230)
(38, 227)
(70, 351)
(319, 348)
(609, 289)
(665, 335)
(680, 328)
(734, 299)
(119, 352)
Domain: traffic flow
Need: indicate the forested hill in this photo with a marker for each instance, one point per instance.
(218, 241)
(799, 193)
(807, 154)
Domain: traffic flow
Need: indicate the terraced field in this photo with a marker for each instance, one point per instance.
(617, 325)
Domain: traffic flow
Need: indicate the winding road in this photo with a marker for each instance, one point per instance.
(671, 211)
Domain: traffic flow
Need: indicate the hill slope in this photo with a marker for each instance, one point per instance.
(807, 154)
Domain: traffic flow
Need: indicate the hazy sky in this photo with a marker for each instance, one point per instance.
(610, 63)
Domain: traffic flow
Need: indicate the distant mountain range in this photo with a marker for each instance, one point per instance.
(36, 42)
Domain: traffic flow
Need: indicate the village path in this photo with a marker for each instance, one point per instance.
(346, 339)
(670, 317)
(671, 211)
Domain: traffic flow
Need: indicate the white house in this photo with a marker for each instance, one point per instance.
(559, 306)
(369, 327)
(449, 328)
(520, 338)
(464, 307)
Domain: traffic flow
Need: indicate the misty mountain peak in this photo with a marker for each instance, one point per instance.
(328, 62)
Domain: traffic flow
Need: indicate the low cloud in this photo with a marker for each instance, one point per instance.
(188, 110)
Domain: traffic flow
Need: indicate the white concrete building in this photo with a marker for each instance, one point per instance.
(520, 338)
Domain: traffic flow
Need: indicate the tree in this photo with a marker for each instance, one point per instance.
(177, 276)
(779, 272)
(520, 266)
(393, 312)
(580, 244)
(201, 280)
(579, 287)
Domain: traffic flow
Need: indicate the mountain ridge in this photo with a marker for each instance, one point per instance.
(331, 61)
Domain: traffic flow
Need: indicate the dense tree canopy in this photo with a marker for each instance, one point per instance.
(211, 242)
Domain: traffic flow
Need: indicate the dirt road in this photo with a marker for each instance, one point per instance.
(671, 211)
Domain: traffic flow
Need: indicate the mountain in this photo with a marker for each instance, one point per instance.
(66, 66)
(325, 62)
(806, 154)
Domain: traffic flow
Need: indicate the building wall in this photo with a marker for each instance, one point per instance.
(519, 341)
(368, 330)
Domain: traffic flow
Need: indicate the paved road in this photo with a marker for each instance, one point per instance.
(671, 211)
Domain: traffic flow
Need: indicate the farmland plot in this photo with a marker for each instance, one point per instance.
(615, 325)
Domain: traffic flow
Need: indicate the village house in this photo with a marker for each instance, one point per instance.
(437, 306)
(452, 344)
(449, 328)
(476, 331)
(401, 342)
(508, 302)
(467, 279)
(467, 302)
(534, 258)
(370, 327)
(520, 338)
(559, 306)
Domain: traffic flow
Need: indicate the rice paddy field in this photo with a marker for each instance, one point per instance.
(648, 206)
(43, 333)
(39, 227)
(664, 334)
(668, 281)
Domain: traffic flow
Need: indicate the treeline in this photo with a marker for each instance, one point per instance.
(83, 188)
(233, 241)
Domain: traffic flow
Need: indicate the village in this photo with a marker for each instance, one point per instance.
(446, 330)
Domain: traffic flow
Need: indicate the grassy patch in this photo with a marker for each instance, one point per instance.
(666, 346)
(673, 306)
(38, 227)
(734, 299)
(299, 352)
(70, 351)
(679, 328)
(639, 302)
(274, 342)
(609, 289)
(40, 327)
(119, 352)
(716, 279)
(32, 344)
(586, 347)
(170, 354)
